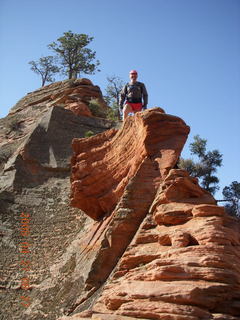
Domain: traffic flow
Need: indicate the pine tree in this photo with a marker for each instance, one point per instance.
(206, 166)
(46, 68)
(73, 54)
(232, 193)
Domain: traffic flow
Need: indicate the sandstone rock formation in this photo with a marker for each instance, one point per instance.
(182, 262)
(35, 153)
(62, 93)
(36, 136)
(103, 165)
(144, 241)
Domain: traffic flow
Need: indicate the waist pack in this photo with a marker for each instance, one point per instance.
(134, 100)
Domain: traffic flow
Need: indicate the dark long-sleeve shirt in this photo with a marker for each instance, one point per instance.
(135, 93)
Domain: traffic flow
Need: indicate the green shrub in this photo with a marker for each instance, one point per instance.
(88, 134)
(13, 125)
(113, 113)
(96, 109)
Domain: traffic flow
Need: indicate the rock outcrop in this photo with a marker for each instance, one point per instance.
(72, 94)
(103, 165)
(35, 154)
(177, 252)
(36, 136)
(142, 240)
(183, 261)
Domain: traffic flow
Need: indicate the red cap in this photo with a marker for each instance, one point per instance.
(133, 71)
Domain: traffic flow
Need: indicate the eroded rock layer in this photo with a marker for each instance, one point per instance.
(35, 153)
(73, 94)
(104, 165)
(46, 114)
(183, 261)
(150, 244)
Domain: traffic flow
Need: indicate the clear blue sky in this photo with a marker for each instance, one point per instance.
(187, 52)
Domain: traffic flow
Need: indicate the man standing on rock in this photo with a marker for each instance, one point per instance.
(133, 92)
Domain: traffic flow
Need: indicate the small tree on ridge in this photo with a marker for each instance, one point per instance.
(73, 54)
(46, 68)
(113, 89)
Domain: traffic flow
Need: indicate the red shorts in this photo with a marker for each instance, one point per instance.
(135, 106)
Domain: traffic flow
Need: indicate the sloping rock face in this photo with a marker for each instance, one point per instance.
(46, 149)
(183, 261)
(67, 93)
(103, 166)
(143, 240)
(76, 277)
(73, 95)
(35, 154)
(176, 252)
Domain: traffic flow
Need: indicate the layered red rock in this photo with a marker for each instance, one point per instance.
(159, 247)
(35, 152)
(176, 252)
(183, 262)
(79, 108)
(78, 97)
(36, 135)
(134, 165)
(103, 165)
(64, 93)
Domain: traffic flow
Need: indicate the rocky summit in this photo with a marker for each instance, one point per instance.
(110, 227)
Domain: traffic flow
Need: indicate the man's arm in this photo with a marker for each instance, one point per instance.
(145, 97)
(123, 93)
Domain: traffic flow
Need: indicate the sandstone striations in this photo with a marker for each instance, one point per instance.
(36, 135)
(144, 241)
(35, 153)
(181, 261)
(122, 212)
(62, 93)
(103, 165)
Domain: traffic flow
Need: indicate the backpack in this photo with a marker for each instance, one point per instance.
(134, 92)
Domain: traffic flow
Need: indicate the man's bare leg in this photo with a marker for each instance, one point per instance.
(126, 110)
